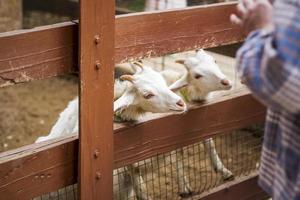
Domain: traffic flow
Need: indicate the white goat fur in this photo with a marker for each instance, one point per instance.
(202, 76)
(147, 91)
(66, 124)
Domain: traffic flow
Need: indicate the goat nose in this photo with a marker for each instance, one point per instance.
(225, 82)
(180, 103)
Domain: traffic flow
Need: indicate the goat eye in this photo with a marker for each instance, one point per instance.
(197, 76)
(148, 95)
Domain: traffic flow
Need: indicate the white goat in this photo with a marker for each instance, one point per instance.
(202, 76)
(145, 91)
(148, 92)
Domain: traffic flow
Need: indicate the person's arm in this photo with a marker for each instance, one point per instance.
(269, 60)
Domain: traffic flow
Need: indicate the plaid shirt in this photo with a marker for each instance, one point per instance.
(269, 63)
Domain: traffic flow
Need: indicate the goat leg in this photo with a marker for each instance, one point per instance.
(216, 161)
(185, 189)
(139, 186)
(123, 188)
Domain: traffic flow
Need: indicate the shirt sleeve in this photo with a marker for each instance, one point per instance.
(269, 61)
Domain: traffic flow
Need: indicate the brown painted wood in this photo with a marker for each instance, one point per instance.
(162, 32)
(38, 168)
(97, 26)
(19, 167)
(52, 50)
(243, 188)
(38, 53)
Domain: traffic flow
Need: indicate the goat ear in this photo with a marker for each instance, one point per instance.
(180, 83)
(180, 61)
(202, 55)
(123, 102)
(188, 63)
(127, 78)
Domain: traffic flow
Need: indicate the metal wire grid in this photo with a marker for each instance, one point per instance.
(159, 177)
(239, 151)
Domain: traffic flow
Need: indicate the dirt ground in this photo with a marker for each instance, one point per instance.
(29, 110)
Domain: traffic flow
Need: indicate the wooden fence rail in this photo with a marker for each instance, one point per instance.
(244, 188)
(53, 50)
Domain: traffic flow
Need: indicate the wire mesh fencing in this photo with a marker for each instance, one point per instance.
(185, 172)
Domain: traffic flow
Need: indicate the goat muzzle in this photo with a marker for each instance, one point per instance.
(225, 82)
(180, 103)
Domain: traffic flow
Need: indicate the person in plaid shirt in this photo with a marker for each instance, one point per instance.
(269, 64)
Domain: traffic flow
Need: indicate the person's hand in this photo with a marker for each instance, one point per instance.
(252, 15)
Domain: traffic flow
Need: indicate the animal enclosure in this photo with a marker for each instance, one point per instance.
(152, 143)
(239, 151)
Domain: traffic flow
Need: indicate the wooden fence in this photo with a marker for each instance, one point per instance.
(104, 40)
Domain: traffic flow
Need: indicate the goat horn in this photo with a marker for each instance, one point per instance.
(139, 64)
(180, 61)
(127, 78)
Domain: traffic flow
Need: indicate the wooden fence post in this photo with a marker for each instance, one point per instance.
(96, 98)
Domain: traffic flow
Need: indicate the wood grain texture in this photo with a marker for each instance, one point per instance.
(97, 20)
(52, 50)
(38, 53)
(38, 168)
(156, 134)
(163, 32)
